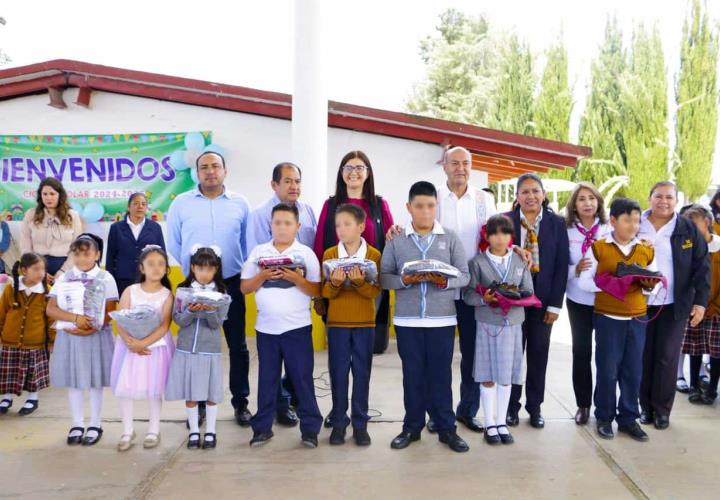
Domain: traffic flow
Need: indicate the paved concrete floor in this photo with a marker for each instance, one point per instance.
(561, 461)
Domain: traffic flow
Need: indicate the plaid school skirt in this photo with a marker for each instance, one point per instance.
(703, 339)
(23, 370)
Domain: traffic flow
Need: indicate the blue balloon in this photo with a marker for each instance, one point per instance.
(77, 207)
(193, 175)
(93, 211)
(194, 140)
(177, 160)
(215, 148)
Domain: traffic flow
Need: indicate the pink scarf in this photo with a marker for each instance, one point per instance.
(589, 234)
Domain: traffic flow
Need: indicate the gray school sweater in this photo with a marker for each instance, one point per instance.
(200, 332)
(411, 302)
(483, 273)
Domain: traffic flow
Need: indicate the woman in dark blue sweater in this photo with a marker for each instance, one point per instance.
(126, 240)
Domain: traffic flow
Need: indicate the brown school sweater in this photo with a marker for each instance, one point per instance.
(24, 326)
(352, 307)
(608, 255)
(714, 302)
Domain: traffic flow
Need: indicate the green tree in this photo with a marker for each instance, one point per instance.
(696, 95)
(511, 107)
(644, 113)
(461, 62)
(554, 104)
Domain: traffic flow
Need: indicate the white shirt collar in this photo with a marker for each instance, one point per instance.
(611, 239)
(470, 192)
(36, 288)
(437, 229)
(361, 251)
(197, 286)
(133, 225)
(578, 223)
(497, 258)
(537, 219)
(669, 225)
(92, 273)
(290, 249)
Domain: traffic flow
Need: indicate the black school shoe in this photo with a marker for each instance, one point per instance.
(404, 439)
(209, 445)
(361, 436)
(310, 440)
(454, 442)
(193, 441)
(634, 431)
(242, 417)
(89, 441)
(4, 409)
(287, 418)
(512, 419)
(337, 436)
(647, 417)
(261, 438)
(72, 440)
(635, 270)
(25, 410)
(506, 438)
(605, 430)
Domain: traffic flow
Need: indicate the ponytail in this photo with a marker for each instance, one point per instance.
(16, 283)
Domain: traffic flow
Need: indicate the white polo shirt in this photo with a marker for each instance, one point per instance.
(663, 256)
(282, 309)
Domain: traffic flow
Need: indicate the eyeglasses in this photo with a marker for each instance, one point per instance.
(348, 169)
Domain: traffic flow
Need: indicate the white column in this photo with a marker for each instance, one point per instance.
(309, 102)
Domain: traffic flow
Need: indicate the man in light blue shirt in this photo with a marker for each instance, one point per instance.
(286, 182)
(212, 215)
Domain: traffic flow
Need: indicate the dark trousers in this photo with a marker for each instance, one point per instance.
(581, 326)
(295, 349)
(469, 403)
(426, 355)
(660, 360)
(536, 342)
(619, 348)
(286, 396)
(234, 328)
(54, 263)
(122, 284)
(350, 349)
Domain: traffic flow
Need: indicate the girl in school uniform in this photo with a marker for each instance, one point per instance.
(196, 373)
(25, 334)
(82, 355)
(140, 367)
(498, 344)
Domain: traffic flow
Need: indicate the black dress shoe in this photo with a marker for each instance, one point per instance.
(635, 270)
(634, 431)
(193, 441)
(582, 415)
(327, 423)
(4, 409)
(494, 439)
(454, 442)
(471, 423)
(337, 436)
(537, 420)
(507, 437)
(27, 410)
(431, 427)
(662, 422)
(287, 418)
(708, 398)
(512, 419)
(242, 417)
(261, 438)
(209, 445)
(604, 429)
(71, 440)
(89, 441)
(310, 440)
(361, 436)
(404, 439)
(647, 417)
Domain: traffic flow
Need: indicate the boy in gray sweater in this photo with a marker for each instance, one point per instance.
(425, 317)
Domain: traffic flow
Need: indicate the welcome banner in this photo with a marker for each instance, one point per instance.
(100, 172)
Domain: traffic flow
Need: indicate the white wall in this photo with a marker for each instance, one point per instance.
(254, 143)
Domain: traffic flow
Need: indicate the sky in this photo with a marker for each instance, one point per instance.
(372, 50)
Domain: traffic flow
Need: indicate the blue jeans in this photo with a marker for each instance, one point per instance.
(350, 349)
(619, 348)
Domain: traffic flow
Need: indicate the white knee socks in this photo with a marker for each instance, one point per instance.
(154, 406)
(75, 398)
(503, 400)
(126, 413)
(96, 397)
(487, 396)
(192, 416)
(210, 418)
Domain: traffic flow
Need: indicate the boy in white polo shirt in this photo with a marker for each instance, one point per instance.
(283, 326)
